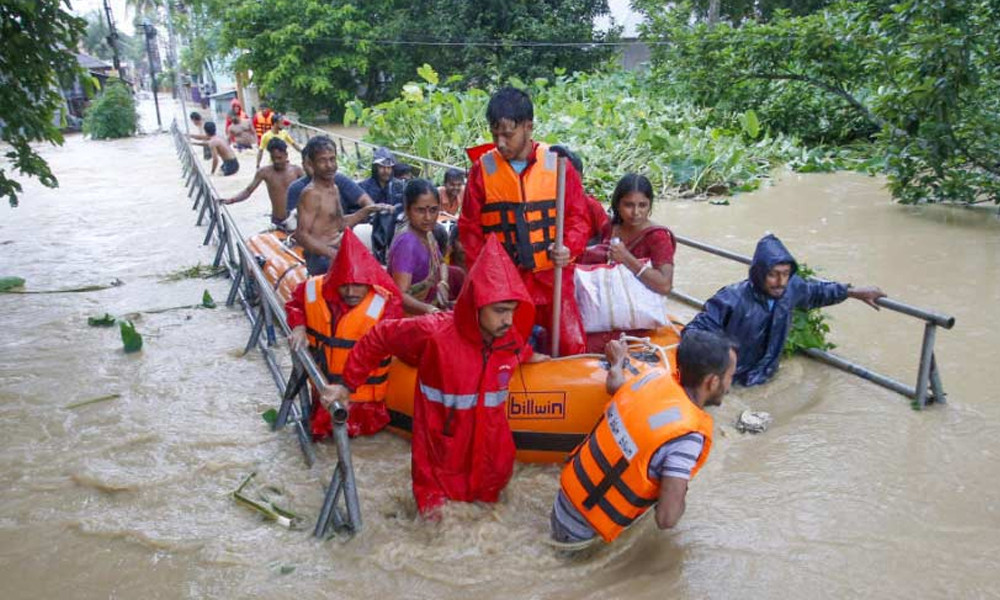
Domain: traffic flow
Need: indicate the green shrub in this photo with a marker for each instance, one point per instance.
(112, 114)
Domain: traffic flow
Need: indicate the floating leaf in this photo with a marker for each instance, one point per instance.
(207, 301)
(131, 339)
(286, 569)
(103, 321)
(93, 401)
(270, 416)
(9, 283)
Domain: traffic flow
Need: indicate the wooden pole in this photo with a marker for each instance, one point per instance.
(557, 284)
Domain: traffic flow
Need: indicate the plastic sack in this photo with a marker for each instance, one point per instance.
(611, 297)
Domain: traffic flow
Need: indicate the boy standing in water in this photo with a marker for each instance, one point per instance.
(220, 149)
(278, 176)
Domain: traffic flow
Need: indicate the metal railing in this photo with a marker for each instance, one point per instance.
(928, 386)
(928, 374)
(267, 314)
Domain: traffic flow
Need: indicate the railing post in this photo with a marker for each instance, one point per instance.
(235, 288)
(936, 386)
(924, 371)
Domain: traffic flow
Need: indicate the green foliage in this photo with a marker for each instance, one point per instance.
(918, 79)
(10, 283)
(33, 60)
(207, 301)
(270, 416)
(809, 327)
(495, 24)
(315, 55)
(616, 122)
(131, 339)
(304, 54)
(105, 320)
(95, 40)
(112, 114)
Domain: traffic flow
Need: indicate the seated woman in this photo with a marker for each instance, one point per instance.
(634, 240)
(415, 257)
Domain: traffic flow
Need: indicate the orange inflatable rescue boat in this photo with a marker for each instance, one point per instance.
(551, 406)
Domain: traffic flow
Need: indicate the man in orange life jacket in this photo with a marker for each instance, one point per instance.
(463, 448)
(654, 436)
(262, 120)
(510, 197)
(330, 313)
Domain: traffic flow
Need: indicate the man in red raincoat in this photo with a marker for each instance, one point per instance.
(463, 448)
(510, 196)
(330, 313)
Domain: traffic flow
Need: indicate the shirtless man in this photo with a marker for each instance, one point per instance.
(220, 149)
(320, 215)
(278, 176)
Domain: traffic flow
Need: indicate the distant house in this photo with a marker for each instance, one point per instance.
(75, 93)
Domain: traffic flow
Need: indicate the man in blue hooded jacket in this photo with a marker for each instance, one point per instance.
(757, 312)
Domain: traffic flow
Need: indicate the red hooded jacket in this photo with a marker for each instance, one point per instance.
(462, 444)
(353, 264)
(539, 285)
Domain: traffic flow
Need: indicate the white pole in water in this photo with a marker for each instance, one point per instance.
(557, 283)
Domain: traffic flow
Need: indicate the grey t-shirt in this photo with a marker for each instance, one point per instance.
(676, 458)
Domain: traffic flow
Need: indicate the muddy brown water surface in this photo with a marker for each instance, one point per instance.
(849, 494)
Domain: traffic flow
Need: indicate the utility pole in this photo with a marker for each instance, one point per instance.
(150, 34)
(177, 66)
(113, 37)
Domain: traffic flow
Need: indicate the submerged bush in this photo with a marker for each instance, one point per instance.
(617, 123)
(112, 114)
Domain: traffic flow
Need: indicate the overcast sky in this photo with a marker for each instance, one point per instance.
(620, 10)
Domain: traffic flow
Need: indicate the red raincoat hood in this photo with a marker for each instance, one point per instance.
(494, 278)
(355, 264)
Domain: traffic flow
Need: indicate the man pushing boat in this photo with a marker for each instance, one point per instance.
(278, 176)
(653, 438)
(463, 448)
(321, 219)
(330, 313)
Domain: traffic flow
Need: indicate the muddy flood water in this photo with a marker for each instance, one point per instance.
(850, 494)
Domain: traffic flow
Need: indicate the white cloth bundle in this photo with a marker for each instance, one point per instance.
(611, 297)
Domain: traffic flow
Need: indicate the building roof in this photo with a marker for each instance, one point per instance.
(90, 62)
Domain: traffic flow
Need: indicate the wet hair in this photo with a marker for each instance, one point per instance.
(401, 169)
(626, 185)
(209, 127)
(570, 156)
(276, 144)
(277, 118)
(702, 353)
(509, 104)
(316, 144)
(454, 174)
(416, 188)
(195, 116)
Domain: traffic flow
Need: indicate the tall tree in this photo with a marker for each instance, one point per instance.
(35, 57)
(921, 79)
(306, 55)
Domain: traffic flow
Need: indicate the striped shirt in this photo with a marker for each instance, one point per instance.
(676, 458)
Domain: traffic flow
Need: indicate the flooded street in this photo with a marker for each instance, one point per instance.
(849, 494)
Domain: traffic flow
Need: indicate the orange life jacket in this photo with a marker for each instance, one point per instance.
(606, 477)
(335, 347)
(261, 123)
(520, 210)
